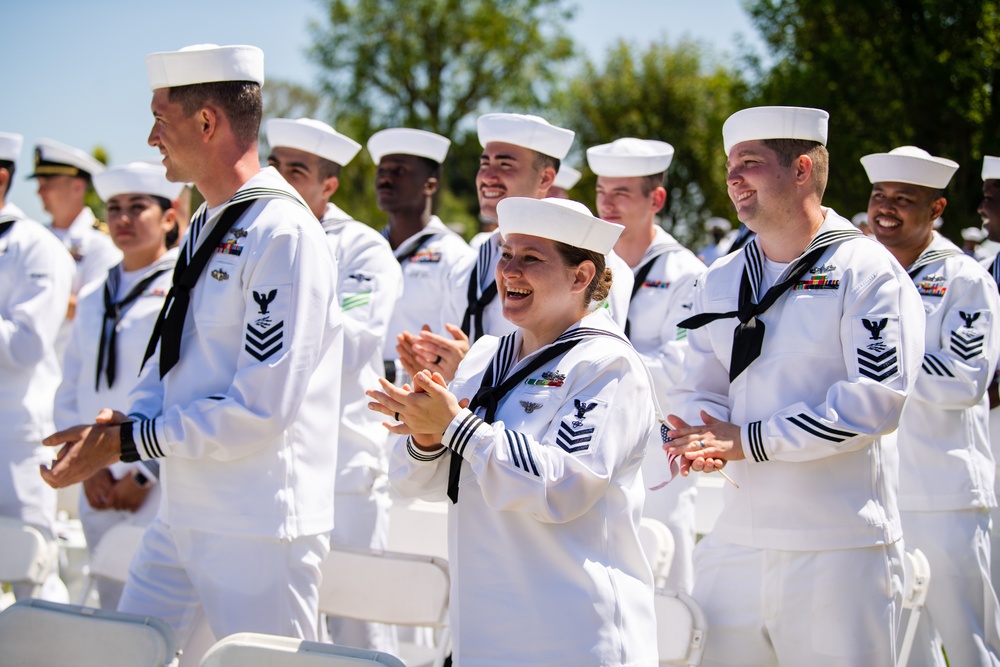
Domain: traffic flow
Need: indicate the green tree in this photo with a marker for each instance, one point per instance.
(891, 73)
(431, 65)
(674, 93)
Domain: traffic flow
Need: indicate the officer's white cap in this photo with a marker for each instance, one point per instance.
(136, 177)
(532, 132)
(562, 220)
(630, 157)
(566, 177)
(55, 159)
(860, 219)
(205, 63)
(991, 167)
(312, 136)
(909, 164)
(718, 223)
(759, 123)
(405, 141)
(10, 146)
(976, 234)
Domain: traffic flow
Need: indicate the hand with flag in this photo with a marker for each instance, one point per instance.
(706, 448)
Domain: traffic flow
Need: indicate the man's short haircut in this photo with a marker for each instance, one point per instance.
(327, 168)
(240, 101)
(9, 166)
(651, 182)
(542, 161)
(433, 168)
(789, 150)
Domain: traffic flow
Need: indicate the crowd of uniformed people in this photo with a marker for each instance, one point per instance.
(261, 378)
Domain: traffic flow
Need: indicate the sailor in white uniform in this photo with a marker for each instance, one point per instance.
(229, 398)
(408, 165)
(63, 174)
(804, 566)
(521, 157)
(36, 273)
(630, 177)
(542, 468)
(946, 471)
(108, 339)
(310, 155)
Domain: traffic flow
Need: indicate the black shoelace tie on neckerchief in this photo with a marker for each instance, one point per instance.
(489, 396)
(478, 302)
(170, 324)
(640, 280)
(107, 347)
(748, 338)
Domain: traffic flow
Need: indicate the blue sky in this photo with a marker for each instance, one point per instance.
(75, 70)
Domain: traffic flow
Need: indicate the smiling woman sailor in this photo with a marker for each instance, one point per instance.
(543, 431)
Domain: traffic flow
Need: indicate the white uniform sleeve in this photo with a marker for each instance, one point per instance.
(881, 356)
(415, 473)
(294, 275)
(67, 408)
(958, 367)
(561, 475)
(38, 302)
(371, 282)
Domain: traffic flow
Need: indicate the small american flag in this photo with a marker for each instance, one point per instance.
(673, 460)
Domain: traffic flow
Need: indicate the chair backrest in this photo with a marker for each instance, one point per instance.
(248, 649)
(681, 629)
(916, 579)
(419, 527)
(25, 556)
(385, 587)
(114, 552)
(35, 632)
(658, 544)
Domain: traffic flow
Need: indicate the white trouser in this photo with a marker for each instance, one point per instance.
(793, 608)
(673, 505)
(96, 523)
(241, 584)
(961, 604)
(362, 520)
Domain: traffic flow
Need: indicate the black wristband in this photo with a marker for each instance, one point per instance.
(129, 453)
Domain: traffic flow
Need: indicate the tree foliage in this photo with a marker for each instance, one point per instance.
(673, 93)
(891, 73)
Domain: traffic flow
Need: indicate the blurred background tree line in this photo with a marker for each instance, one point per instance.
(890, 72)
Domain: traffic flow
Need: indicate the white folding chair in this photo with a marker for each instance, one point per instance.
(916, 580)
(249, 649)
(681, 629)
(36, 632)
(26, 556)
(394, 588)
(112, 556)
(418, 527)
(658, 544)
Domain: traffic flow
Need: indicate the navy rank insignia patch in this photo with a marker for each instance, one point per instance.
(968, 338)
(265, 325)
(578, 424)
(877, 341)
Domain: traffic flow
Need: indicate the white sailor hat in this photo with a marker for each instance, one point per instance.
(205, 63)
(976, 234)
(909, 164)
(722, 224)
(10, 146)
(759, 123)
(312, 136)
(991, 167)
(630, 157)
(532, 132)
(406, 141)
(562, 220)
(860, 219)
(136, 177)
(55, 159)
(566, 177)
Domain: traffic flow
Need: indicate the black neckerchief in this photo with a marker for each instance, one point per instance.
(478, 302)
(107, 347)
